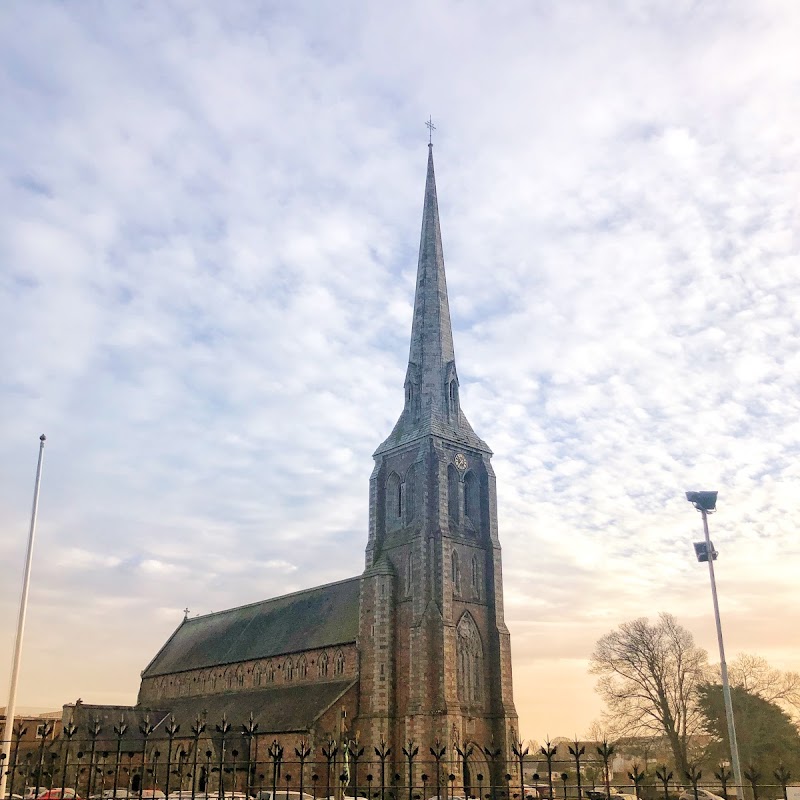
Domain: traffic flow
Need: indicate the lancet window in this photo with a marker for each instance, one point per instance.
(471, 498)
(338, 663)
(469, 655)
(322, 666)
(456, 573)
(452, 492)
(476, 577)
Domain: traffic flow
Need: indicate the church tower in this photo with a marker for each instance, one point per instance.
(435, 658)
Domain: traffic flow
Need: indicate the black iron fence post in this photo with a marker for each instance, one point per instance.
(45, 730)
(438, 752)
(145, 728)
(519, 754)
(636, 777)
(665, 776)
(606, 751)
(410, 752)
(94, 731)
(329, 751)
(549, 751)
(197, 730)
(383, 752)
(276, 754)
(355, 752)
(68, 732)
(723, 775)
(171, 729)
(783, 776)
(493, 754)
(303, 752)
(249, 730)
(222, 729)
(17, 733)
(753, 776)
(577, 751)
(119, 732)
(693, 775)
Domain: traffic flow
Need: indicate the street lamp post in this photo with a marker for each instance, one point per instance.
(706, 503)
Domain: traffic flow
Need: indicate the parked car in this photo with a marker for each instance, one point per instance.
(702, 794)
(266, 794)
(59, 794)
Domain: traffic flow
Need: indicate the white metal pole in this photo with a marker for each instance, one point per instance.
(23, 608)
(726, 689)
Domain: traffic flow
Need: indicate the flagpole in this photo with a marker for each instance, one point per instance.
(23, 608)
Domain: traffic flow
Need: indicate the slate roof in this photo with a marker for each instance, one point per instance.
(127, 719)
(320, 617)
(276, 710)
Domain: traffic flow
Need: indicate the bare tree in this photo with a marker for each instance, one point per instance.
(648, 678)
(755, 675)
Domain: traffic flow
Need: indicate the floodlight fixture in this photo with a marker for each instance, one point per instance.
(706, 503)
(701, 551)
(703, 501)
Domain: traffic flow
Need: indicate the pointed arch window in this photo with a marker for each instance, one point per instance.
(270, 672)
(338, 663)
(456, 573)
(469, 661)
(410, 572)
(394, 499)
(322, 666)
(409, 489)
(471, 498)
(452, 399)
(302, 667)
(476, 577)
(452, 492)
(288, 670)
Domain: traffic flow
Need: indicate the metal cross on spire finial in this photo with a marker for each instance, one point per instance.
(185, 613)
(431, 128)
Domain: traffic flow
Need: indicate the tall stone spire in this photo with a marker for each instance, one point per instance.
(431, 387)
(431, 334)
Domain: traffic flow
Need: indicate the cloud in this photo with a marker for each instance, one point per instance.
(208, 250)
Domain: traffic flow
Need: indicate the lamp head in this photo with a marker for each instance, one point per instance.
(703, 501)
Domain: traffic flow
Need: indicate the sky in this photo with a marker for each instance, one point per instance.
(208, 243)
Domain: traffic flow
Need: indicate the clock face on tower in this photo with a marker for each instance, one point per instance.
(460, 461)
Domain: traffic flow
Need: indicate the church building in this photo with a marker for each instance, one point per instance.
(415, 648)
